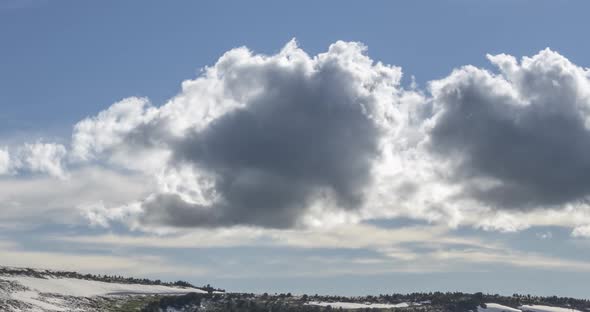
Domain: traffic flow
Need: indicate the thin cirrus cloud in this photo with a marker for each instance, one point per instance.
(293, 140)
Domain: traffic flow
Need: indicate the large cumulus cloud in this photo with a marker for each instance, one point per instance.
(290, 139)
(266, 137)
(519, 139)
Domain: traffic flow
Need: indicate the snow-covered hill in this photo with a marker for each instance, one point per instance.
(23, 289)
(41, 291)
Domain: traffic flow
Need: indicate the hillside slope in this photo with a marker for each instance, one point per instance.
(44, 290)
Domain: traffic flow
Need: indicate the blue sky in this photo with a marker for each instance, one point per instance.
(103, 51)
(107, 110)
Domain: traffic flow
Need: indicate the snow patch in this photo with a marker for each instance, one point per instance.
(544, 308)
(354, 305)
(37, 302)
(494, 307)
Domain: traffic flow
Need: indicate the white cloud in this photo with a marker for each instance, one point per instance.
(404, 249)
(4, 162)
(517, 259)
(342, 236)
(111, 134)
(545, 235)
(297, 141)
(135, 265)
(505, 133)
(500, 152)
(43, 158)
(273, 141)
(581, 231)
(60, 200)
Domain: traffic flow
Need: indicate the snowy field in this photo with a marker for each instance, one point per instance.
(494, 307)
(353, 305)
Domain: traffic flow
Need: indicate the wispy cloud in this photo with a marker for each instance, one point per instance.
(405, 249)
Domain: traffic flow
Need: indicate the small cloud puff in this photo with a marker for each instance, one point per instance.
(45, 158)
